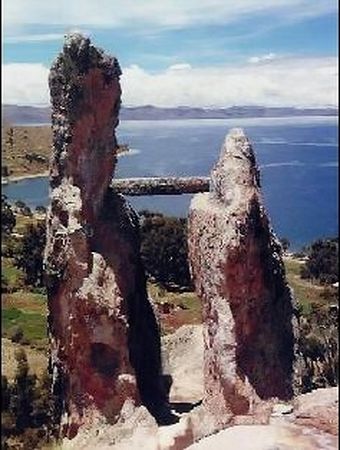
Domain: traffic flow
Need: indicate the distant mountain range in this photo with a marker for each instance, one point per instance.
(29, 115)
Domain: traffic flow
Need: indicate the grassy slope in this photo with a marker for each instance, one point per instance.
(19, 146)
(186, 310)
(26, 310)
(305, 292)
(26, 141)
(37, 360)
(21, 307)
(23, 221)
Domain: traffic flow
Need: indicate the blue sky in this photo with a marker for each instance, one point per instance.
(199, 53)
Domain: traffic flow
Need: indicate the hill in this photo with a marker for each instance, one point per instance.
(29, 115)
(26, 150)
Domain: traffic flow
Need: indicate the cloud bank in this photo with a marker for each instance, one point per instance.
(165, 13)
(307, 82)
(25, 84)
(16, 39)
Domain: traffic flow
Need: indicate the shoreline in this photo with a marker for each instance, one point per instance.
(17, 178)
(334, 115)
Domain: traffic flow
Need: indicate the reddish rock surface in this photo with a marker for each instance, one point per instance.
(249, 325)
(105, 345)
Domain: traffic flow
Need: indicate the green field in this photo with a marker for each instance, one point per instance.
(27, 311)
(22, 308)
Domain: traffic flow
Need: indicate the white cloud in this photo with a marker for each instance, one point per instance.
(181, 66)
(34, 38)
(165, 13)
(264, 58)
(25, 84)
(284, 82)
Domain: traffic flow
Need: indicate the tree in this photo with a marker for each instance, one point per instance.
(7, 217)
(30, 254)
(10, 138)
(4, 284)
(17, 334)
(23, 208)
(164, 248)
(318, 345)
(4, 171)
(322, 263)
(27, 407)
(5, 393)
(40, 209)
(21, 404)
(43, 402)
(285, 244)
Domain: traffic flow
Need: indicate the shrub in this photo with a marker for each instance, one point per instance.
(23, 392)
(4, 284)
(16, 334)
(30, 254)
(7, 217)
(4, 171)
(164, 249)
(10, 246)
(27, 408)
(40, 209)
(318, 344)
(22, 208)
(5, 393)
(284, 243)
(12, 278)
(322, 263)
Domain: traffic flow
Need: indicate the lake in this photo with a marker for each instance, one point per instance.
(298, 158)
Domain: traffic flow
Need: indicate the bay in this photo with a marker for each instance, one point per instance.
(298, 159)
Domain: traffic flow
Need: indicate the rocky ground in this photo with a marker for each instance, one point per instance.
(310, 422)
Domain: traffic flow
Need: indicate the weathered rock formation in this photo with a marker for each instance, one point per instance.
(309, 421)
(248, 317)
(105, 345)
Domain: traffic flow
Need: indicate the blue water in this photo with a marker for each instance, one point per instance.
(298, 158)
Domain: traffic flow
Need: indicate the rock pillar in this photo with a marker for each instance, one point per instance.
(105, 345)
(248, 315)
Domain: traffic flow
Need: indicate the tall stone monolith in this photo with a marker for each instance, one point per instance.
(105, 345)
(249, 321)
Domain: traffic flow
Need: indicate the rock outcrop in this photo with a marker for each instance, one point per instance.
(268, 437)
(309, 421)
(319, 409)
(105, 344)
(249, 325)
